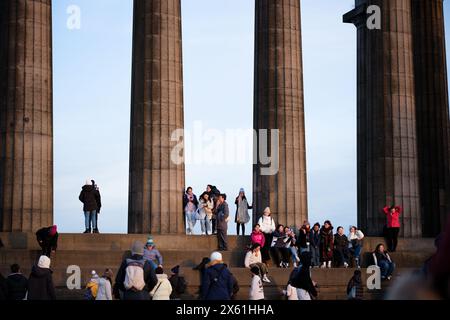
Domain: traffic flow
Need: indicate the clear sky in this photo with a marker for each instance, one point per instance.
(92, 76)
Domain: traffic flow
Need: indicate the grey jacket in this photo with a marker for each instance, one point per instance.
(222, 213)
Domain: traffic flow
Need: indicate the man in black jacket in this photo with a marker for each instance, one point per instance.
(17, 284)
(135, 261)
(48, 239)
(90, 197)
(222, 212)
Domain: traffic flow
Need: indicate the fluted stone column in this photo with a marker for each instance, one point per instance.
(26, 128)
(387, 144)
(156, 182)
(279, 104)
(432, 113)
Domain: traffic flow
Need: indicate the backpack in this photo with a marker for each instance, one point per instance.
(134, 275)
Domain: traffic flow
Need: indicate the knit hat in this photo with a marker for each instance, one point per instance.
(137, 248)
(88, 182)
(215, 256)
(53, 230)
(241, 190)
(94, 275)
(150, 242)
(44, 262)
(175, 270)
(267, 210)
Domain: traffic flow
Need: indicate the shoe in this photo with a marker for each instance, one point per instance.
(281, 265)
(345, 264)
(203, 233)
(324, 265)
(329, 264)
(389, 278)
(295, 264)
(87, 231)
(265, 279)
(95, 231)
(286, 265)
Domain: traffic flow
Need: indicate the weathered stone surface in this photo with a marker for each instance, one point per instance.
(156, 183)
(433, 126)
(387, 140)
(279, 104)
(26, 127)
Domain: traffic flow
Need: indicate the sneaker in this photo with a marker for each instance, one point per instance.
(286, 265)
(95, 231)
(329, 264)
(203, 233)
(345, 264)
(87, 231)
(324, 265)
(281, 265)
(389, 278)
(265, 279)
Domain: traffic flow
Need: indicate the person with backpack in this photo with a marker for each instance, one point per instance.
(17, 284)
(48, 239)
(217, 281)
(355, 289)
(90, 197)
(136, 277)
(104, 291)
(267, 226)
(256, 288)
(178, 283)
(40, 282)
(163, 288)
(92, 286)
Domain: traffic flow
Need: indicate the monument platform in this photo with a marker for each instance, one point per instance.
(100, 251)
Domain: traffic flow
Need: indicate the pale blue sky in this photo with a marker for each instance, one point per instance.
(92, 70)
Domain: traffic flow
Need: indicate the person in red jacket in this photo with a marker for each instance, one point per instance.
(393, 226)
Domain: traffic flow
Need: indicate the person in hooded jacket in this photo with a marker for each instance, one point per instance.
(217, 283)
(90, 197)
(315, 245)
(104, 291)
(40, 282)
(17, 284)
(48, 239)
(326, 244)
(163, 289)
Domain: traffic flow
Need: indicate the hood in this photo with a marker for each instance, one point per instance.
(88, 188)
(161, 276)
(44, 262)
(40, 272)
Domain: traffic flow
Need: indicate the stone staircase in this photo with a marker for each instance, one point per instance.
(100, 251)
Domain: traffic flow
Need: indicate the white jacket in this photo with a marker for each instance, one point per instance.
(207, 210)
(104, 290)
(267, 224)
(358, 235)
(252, 258)
(256, 289)
(163, 288)
(291, 293)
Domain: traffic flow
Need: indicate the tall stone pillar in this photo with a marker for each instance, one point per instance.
(387, 144)
(156, 182)
(279, 104)
(433, 126)
(26, 128)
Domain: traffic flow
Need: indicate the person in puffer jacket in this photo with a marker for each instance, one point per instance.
(40, 282)
(267, 226)
(217, 283)
(163, 288)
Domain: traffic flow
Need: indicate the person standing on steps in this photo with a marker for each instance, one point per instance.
(205, 212)
(341, 245)
(90, 197)
(242, 217)
(223, 215)
(99, 203)
(217, 282)
(315, 245)
(214, 194)
(326, 244)
(393, 226)
(190, 205)
(48, 239)
(267, 226)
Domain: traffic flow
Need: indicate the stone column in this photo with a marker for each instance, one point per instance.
(26, 128)
(156, 182)
(433, 126)
(387, 145)
(279, 104)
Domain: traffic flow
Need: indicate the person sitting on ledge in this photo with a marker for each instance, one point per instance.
(253, 259)
(152, 255)
(48, 239)
(355, 237)
(383, 260)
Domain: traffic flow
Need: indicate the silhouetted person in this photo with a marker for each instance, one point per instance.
(48, 239)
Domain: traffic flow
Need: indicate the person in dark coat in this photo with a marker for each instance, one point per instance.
(3, 288)
(304, 241)
(17, 284)
(214, 194)
(90, 197)
(355, 290)
(150, 279)
(302, 279)
(48, 239)
(217, 282)
(315, 245)
(326, 244)
(223, 213)
(341, 245)
(40, 282)
(178, 283)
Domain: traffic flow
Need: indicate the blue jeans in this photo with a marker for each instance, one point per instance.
(315, 252)
(206, 225)
(294, 254)
(90, 217)
(387, 268)
(191, 221)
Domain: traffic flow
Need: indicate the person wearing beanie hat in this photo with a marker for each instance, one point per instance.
(92, 286)
(217, 282)
(152, 255)
(40, 282)
(47, 239)
(91, 199)
(242, 216)
(136, 277)
(178, 283)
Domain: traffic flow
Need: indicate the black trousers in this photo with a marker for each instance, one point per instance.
(392, 238)
(265, 254)
(46, 250)
(280, 255)
(214, 225)
(222, 239)
(238, 227)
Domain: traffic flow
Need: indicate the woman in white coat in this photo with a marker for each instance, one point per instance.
(104, 286)
(267, 226)
(163, 288)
